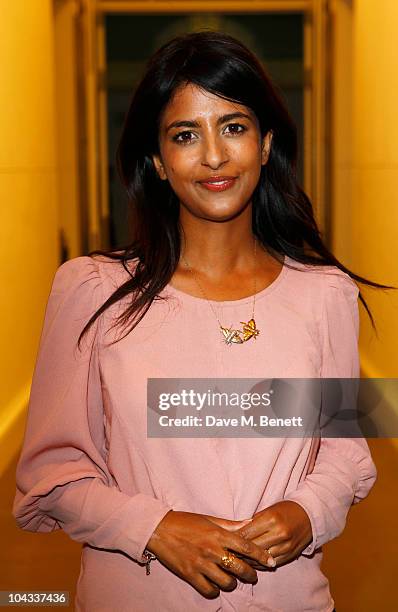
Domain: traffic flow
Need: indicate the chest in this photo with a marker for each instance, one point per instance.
(174, 341)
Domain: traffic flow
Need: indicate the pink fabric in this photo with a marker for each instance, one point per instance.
(88, 467)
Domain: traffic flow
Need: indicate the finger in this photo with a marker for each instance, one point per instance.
(255, 564)
(283, 552)
(239, 568)
(286, 554)
(257, 526)
(227, 524)
(280, 547)
(235, 525)
(205, 587)
(222, 579)
(249, 549)
(271, 543)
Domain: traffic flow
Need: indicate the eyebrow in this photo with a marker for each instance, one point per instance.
(220, 120)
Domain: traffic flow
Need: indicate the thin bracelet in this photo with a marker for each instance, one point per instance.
(147, 557)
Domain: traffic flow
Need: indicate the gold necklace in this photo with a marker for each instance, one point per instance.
(230, 335)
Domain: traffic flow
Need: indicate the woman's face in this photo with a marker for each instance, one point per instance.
(211, 152)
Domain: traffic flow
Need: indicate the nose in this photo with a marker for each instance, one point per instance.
(214, 153)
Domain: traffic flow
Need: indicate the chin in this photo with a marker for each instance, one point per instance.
(222, 215)
(215, 209)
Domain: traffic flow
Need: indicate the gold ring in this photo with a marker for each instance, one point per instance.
(228, 559)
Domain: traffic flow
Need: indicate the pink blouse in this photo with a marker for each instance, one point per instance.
(88, 467)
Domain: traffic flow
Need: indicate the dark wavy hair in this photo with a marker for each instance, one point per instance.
(283, 218)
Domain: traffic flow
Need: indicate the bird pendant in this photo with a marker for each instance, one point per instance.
(249, 330)
(236, 336)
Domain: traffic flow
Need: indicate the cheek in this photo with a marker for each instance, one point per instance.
(179, 165)
(249, 153)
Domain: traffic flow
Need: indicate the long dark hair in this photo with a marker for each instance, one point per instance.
(283, 218)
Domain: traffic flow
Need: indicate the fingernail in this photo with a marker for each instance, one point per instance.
(271, 562)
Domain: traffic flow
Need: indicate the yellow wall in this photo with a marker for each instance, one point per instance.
(365, 166)
(375, 175)
(28, 213)
(341, 129)
(68, 144)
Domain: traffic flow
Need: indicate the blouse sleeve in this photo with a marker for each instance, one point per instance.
(62, 478)
(343, 472)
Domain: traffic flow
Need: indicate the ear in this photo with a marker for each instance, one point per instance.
(157, 162)
(266, 147)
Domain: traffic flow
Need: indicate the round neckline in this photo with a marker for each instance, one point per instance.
(245, 300)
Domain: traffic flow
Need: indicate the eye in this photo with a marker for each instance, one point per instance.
(184, 137)
(235, 128)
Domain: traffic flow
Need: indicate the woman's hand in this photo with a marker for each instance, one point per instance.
(191, 545)
(283, 528)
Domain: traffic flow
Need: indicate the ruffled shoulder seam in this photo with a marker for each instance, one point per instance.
(80, 282)
(328, 277)
(74, 270)
(342, 282)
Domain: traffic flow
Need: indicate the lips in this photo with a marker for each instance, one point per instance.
(218, 183)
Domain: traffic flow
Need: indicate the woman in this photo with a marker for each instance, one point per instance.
(226, 276)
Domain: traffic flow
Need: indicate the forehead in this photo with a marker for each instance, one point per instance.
(190, 101)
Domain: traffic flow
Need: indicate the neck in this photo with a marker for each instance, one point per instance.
(218, 248)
